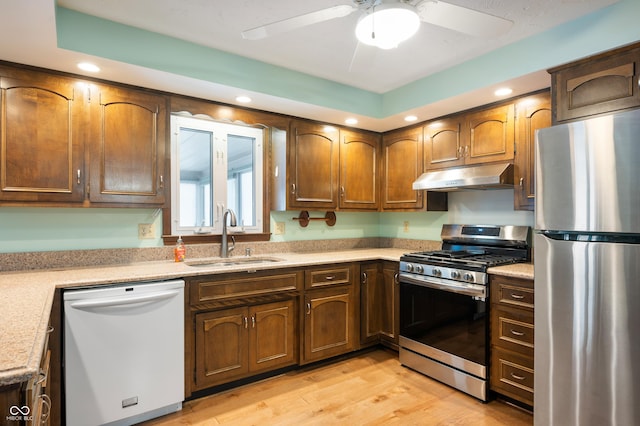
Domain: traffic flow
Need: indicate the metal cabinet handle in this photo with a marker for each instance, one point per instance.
(293, 188)
(521, 182)
(460, 152)
(47, 402)
(50, 329)
(161, 182)
(515, 376)
(246, 322)
(330, 277)
(517, 333)
(342, 191)
(364, 278)
(466, 150)
(517, 296)
(42, 377)
(308, 308)
(253, 321)
(396, 277)
(78, 174)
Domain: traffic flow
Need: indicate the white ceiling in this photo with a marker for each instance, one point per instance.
(326, 50)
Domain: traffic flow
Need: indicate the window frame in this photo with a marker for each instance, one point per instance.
(220, 131)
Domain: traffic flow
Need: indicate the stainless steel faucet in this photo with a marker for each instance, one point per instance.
(224, 245)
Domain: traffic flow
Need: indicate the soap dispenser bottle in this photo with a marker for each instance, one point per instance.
(179, 250)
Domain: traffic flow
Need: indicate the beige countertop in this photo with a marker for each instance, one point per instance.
(517, 270)
(26, 297)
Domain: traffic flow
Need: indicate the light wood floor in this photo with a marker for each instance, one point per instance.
(369, 389)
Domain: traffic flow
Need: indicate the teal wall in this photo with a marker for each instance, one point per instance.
(51, 229)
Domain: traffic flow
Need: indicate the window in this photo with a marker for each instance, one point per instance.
(214, 167)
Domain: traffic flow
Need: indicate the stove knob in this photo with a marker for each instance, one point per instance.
(455, 275)
(468, 277)
(409, 267)
(419, 269)
(436, 272)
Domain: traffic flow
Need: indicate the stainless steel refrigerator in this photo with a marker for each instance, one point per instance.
(587, 273)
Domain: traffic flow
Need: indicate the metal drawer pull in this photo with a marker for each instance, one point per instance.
(308, 308)
(330, 277)
(50, 329)
(517, 296)
(78, 177)
(517, 333)
(42, 376)
(364, 278)
(44, 416)
(515, 376)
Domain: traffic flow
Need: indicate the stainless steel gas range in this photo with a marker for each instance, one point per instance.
(444, 321)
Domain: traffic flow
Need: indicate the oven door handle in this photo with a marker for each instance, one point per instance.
(467, 289)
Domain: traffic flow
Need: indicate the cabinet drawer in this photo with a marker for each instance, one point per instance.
(318, 278)
(512, 329)
(512, 375)
(512, 292)
(230, 286)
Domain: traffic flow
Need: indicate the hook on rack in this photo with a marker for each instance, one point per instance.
(304, 219)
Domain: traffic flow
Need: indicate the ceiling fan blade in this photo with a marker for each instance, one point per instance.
(461, 19)
(297, 22)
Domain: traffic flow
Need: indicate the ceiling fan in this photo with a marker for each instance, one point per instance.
(385, 23)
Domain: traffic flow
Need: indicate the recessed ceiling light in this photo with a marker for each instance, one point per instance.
(504, 91)
(351, 121)
(410, 118)
(243, 99)
(89, 67)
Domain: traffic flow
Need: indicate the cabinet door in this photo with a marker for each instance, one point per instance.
(390, 301)
(602, 84)
(443, 144)
(313, 160)
(490, 135)
(533, 113)
(370, 302)
(221, 346)
(41, 138)
(403, 160)
(329, 323)
(359, 158)
(128, 147)
(272, 336)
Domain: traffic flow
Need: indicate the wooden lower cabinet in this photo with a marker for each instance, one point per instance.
(379, 303)
(329, 322)
(512, 338)
(234, 343)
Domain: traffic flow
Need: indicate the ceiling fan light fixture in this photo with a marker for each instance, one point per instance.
(388, 25)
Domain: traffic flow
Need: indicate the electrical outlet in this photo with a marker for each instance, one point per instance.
(279, 228)
(146, 231)
(405, 226)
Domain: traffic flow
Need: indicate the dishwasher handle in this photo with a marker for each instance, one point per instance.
(113, 302)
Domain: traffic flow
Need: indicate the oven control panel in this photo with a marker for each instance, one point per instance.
(444, 272)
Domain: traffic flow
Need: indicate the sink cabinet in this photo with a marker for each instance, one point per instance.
(253, 313)
(256, 339)
(512, 338)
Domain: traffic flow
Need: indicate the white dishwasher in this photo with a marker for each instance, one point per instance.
(123, 352)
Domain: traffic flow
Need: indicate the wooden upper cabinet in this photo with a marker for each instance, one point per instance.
(443, 143)
(596, 85)
(490, 135)
(41, 138)
(403, 161)
(313, 166)
(533, 113)
(359, 164)
(128, 143)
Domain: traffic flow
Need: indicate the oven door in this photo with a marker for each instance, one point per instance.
(445, 323)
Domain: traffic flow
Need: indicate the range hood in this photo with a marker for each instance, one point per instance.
(486, 176)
